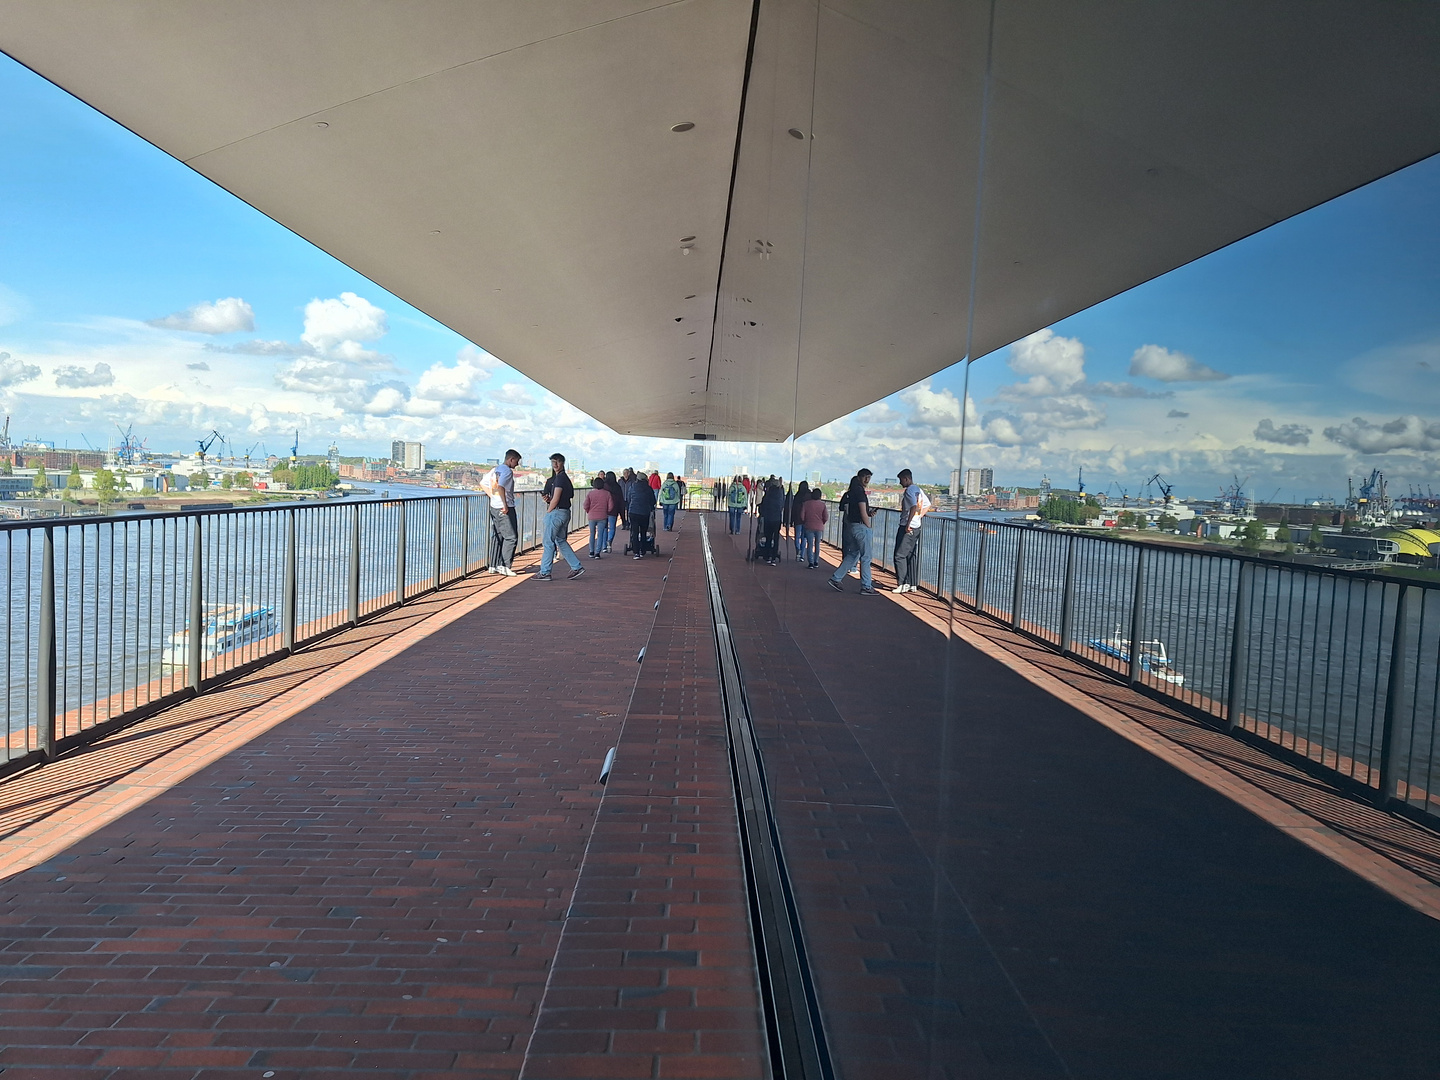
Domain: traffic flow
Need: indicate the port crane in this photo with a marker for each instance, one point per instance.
(251, 451)
(206, 443)
(5, 435)
(131, 450)
(1080, 482)
(1165, 489)
(295, 450)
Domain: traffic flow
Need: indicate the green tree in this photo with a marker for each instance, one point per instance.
(74, 482)
(227, 481)
(1168, 523)
(1316, 539)
(7, 469)
(244, 480)
(1282, 533)
(1126, 520)
(283, 476)
(105, 486)
(1252, 534)
(42, 482)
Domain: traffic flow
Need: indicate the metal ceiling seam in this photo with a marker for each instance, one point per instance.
(415, 80)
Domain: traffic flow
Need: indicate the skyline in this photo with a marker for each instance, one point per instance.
(135, 291)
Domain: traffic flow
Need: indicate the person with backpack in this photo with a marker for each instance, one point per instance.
(499, 485)
(670, 494)
(914, 505)
(738, 499)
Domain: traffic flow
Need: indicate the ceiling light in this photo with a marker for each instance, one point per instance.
(796, 133)
(683, 127)
(687, 239)
(690, 297)
(321, 124)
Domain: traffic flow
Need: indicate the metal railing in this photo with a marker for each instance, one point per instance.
(110, 619)
(1335, 669)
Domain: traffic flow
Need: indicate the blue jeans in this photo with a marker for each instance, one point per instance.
(736, 513)
(669, 516)
(610, 530)
(557, 526)
(810, 546)
(859, 537)
(598, 531)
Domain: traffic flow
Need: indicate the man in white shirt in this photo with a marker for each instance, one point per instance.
(499, 484)
(913, 505)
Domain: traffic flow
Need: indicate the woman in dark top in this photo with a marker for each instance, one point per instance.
(617, 506)
(802, 496)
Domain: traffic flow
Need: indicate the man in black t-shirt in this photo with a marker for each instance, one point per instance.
(857, 532)
(558, 493)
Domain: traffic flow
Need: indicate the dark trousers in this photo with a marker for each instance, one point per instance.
(907, 557)
(639, 532)
(769, 546)
(504, 535)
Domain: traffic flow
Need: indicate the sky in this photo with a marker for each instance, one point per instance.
(134, 291)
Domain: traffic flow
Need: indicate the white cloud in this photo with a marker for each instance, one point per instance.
(329, 324)
(1163, 365)
(1285, 435)
(1123, 390)
(228, 316)
(73, 376)
(1054, 364)
(512, 394)
(387, 401)
(14, 371)
(457, 383)
(261, 347)
(1403, 433)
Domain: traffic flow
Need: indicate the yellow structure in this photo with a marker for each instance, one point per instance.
(1415, 543)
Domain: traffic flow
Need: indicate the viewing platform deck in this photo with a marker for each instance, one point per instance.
(390, 854)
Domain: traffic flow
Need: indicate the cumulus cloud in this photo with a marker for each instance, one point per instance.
(342, 322)
(1163, 365)
(1402, 433)
(227, 316)
(75, 377)
(1054, 365)
(1285, 435)
(1124, 390)
(1014, 427)
(1176, 414)
(512, 394)
(14, 371)
(456, 383)
(932, 408)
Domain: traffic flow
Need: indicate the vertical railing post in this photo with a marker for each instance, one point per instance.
(353, 590)
(1239, 644)
(980, 568)
(1390, 765)
(45, 682)
(400, 553)
(1067, 597)
(465, 540)
(439, 513)
(196, 650)
(1137, 614)
(292, 578)
(1017, 593)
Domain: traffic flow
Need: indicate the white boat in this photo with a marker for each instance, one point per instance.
(1154, 660)
(226, 629)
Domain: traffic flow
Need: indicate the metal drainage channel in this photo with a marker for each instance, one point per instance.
(794, 1027)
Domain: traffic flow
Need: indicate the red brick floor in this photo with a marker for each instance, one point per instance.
(376, 886)
(994, 885)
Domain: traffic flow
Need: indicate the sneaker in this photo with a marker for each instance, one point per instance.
(576, 572)
(506, 571)
(542, 577)
(835, 585)
(900, 588)
(867, 592)
(637, 558)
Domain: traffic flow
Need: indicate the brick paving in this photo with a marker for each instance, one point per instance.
(994, 885)
(378, 884)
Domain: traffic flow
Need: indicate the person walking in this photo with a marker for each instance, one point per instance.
(597, 513)
(858, 518)
(772, 515)
(640, 507)
(558, 494)
(738, 499)
(792, 518)
(617, 508)
(914, 504)
(813, 516)
(499, 484)
(670, 495)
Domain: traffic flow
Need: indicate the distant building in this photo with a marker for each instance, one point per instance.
(978, 481)
(815, 478)
(955, 486)
(1044, 488)
(409, 456)
(397, 452)
(697, 461)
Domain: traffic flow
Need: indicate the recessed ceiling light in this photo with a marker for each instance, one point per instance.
(687, 239)
(434, 232)
(796, 133)
(683, 127)
(690, 297)
(321, 124)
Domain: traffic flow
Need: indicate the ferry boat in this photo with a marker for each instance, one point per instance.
(1154, 660)
(226, 629)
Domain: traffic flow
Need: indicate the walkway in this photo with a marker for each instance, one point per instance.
(1018, 891)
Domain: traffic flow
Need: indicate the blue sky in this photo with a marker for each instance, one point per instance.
(1304, 354)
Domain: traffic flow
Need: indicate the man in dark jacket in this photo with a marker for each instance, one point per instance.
(772, 513)
(639, 506)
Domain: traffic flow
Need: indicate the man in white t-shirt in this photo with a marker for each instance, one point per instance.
(499, 484)
(914, 504)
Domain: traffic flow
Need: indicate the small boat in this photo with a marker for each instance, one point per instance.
(226, 629)
(1154, 660)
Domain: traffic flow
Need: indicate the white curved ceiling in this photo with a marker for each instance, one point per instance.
(509, 166)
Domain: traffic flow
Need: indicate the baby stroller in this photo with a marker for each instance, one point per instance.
(647, 545)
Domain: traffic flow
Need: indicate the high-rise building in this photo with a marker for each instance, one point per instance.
(978, 481)
(414, 456)
(697, 461)
(397, 452)
(955, 486)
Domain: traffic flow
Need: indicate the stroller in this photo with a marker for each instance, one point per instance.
(648, 546)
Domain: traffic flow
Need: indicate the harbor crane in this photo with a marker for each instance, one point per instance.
(131, 450)
(251, 451)
(5, 435)
(206, 443)
(1165, 489)
(1080, 482)
(295, 450)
